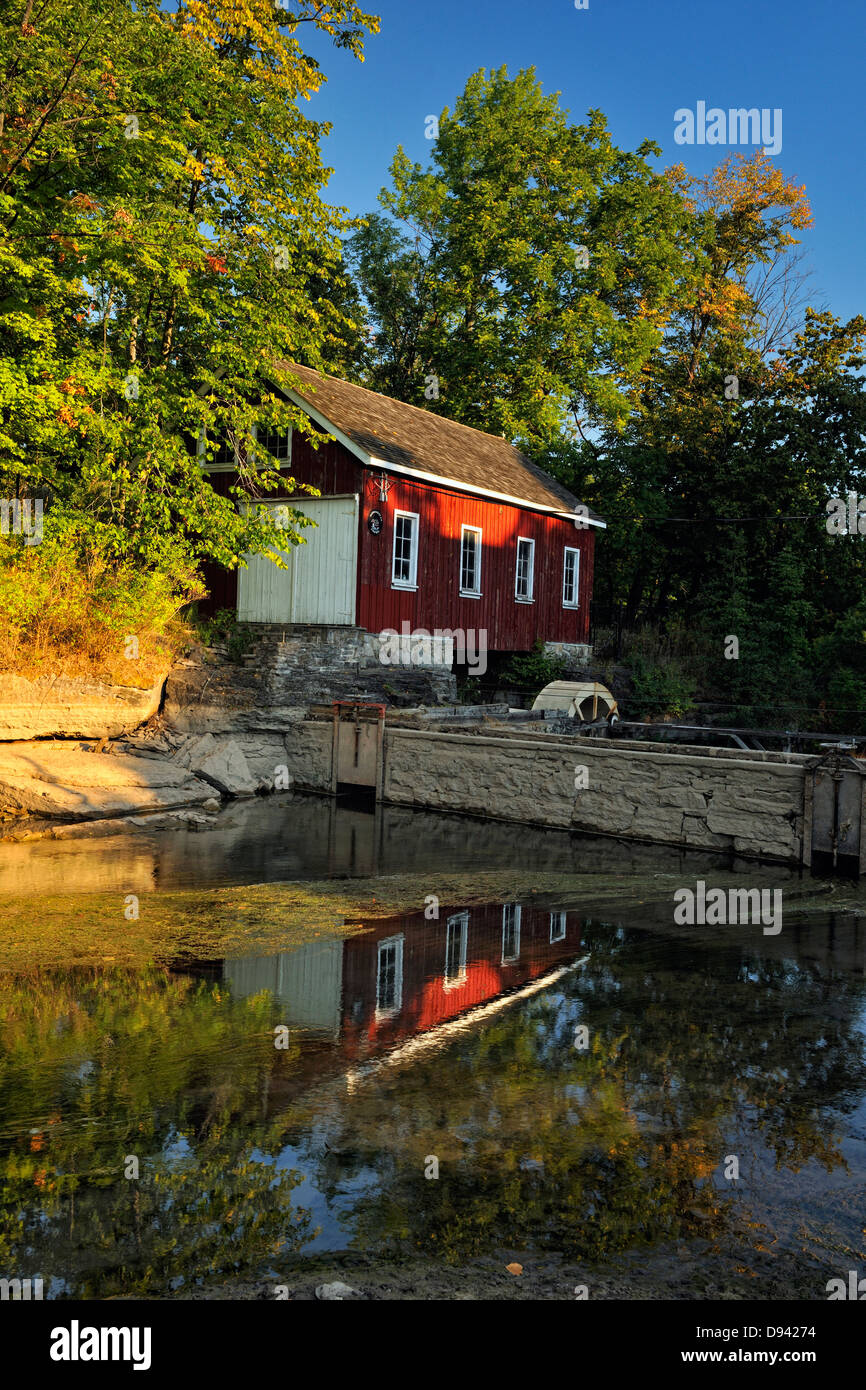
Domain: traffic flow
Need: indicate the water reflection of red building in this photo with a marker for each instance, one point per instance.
(358, 999)
(409, 974)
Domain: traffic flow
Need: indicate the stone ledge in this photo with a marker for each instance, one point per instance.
(66, 707)
(69, 781)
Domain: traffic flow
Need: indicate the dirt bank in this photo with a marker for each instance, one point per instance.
(697, 1270)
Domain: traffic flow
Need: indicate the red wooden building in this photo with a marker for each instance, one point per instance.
(407, 975)
(422, 524)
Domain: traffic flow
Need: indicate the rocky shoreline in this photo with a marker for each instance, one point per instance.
(82, 759)
(689, 1270)
(62, 787)
(190, 754)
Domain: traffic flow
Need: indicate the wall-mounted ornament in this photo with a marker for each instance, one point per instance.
(374, 522)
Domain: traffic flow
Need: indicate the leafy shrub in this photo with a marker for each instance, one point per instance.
(532, 672)
(224, 630)
(660, 688)
(470, 691)
(70, 605)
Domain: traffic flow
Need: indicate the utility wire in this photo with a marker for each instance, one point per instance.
(707, 704)
(715, 520)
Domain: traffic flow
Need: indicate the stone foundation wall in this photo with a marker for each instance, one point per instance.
(576, 655)
(326, 663)
(286, 670)
(748, 804)
(308, 755)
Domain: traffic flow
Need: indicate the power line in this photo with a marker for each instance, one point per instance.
(744, 703)
(713, 521)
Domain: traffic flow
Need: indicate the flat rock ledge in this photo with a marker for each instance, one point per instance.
(65, 707)
(73, 781)
(59, 787)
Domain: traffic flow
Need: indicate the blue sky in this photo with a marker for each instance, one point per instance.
(638, 61)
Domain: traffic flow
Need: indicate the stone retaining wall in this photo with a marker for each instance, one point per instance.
(752, 804)
(286, 670)
(309, 754)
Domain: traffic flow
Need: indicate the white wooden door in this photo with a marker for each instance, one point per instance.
(319, 584)
(324, 570)
(265, 590)
(308, 981)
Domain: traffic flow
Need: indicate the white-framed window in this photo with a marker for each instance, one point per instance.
(389, 977)
(470, 561)
(457, 937)
(557, 927)
(570, 577)
(227, 454)
(524, 578)
(277, 443)
(510, 932)
(404, 563)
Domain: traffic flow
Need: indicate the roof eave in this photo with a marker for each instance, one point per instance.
(371, 461)
(525, 502)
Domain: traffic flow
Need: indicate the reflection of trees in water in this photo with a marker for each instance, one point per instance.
(109, 1063)
(696, 1053)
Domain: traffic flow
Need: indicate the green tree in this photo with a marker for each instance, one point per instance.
(163, 241)
(752, 414)
(537, 267)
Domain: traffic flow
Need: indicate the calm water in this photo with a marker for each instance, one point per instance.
(153, 1135)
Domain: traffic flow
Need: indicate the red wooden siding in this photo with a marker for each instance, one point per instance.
(222, 585)
(510, 625)
(330, 468)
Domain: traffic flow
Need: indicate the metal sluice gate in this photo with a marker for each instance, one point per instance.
(834, 837)
(359, 734)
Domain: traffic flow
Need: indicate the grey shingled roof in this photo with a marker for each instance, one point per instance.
(408, 437)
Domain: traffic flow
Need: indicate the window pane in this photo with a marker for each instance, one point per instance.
(455, 949)
(389, 971)
(277, 445)
(569, 578)
(385, 993)
(404, 543)
(226, 452)
(510, 931)
(523, 585)
(469, 561)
